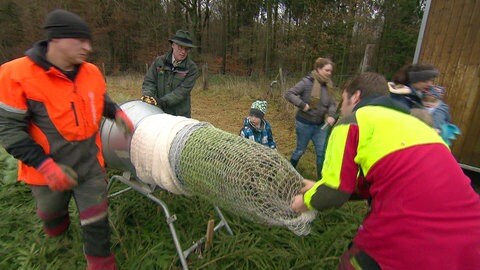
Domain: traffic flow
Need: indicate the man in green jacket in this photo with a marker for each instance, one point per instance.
(171, 78)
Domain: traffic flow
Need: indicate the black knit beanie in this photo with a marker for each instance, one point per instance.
(63, 24)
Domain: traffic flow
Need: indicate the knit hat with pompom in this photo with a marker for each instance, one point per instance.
(258, 108)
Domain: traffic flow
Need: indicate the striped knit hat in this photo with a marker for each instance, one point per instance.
(258, 108)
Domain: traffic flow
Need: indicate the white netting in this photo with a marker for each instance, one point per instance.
(150, 149)
(185, 156)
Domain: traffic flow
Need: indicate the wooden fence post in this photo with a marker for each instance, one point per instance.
(282, 81)
(209, 234)
(103, 70)
(205, 76)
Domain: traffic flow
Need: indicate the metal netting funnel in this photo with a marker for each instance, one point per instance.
(239, 175)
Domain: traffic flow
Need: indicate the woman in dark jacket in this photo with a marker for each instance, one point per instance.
(316, 107)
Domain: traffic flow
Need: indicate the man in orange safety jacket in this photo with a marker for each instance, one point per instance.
(51, 106)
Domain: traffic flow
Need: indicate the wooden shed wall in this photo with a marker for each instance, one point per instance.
(451, 42)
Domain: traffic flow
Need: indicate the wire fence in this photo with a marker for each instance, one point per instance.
(216, 67)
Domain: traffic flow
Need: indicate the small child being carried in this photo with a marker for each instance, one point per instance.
(256, 128)
(440, 112)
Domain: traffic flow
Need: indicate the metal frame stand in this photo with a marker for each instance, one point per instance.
(147, 191)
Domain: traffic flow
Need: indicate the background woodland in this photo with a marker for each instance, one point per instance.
(241, 37)
(248, 41)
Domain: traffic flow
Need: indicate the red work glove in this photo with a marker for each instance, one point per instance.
(59, 177)
(123, 122)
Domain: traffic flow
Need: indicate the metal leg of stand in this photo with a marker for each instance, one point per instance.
(223, 223)
(170, 219)
(125, 178)
(223, 220)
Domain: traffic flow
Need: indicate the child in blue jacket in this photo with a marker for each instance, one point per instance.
(440, 112)
(256, 128)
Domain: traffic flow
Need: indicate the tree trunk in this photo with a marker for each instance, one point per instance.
(268, 36)
(225, 36)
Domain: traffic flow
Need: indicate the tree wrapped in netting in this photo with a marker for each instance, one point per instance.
(185, 156)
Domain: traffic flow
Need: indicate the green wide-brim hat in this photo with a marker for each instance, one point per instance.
(183, 38)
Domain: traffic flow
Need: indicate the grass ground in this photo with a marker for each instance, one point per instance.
(140, 235)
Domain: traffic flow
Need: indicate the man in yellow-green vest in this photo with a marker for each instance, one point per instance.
(424, 213)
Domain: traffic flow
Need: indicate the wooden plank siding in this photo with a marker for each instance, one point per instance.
(451, 42)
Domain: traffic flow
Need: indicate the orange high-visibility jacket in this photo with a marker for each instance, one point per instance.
(41, 109)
